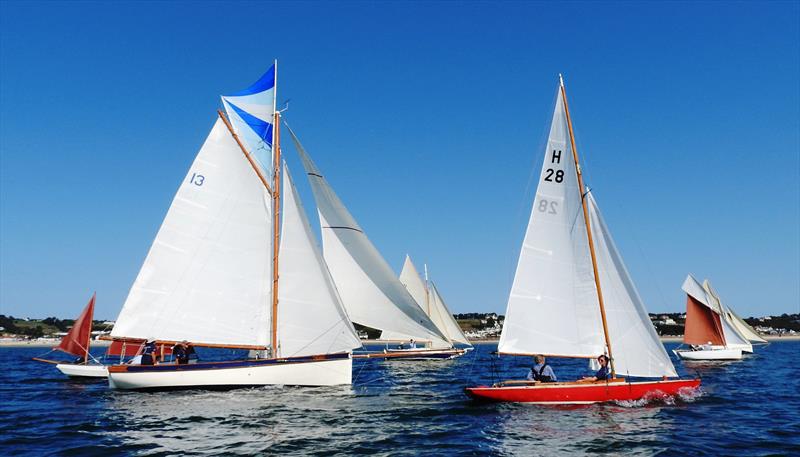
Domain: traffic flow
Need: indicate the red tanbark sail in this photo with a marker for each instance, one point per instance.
(702, 324)
(76, 342)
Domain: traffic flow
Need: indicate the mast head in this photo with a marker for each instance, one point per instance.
(560, 80)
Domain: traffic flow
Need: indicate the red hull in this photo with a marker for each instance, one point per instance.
(582, 393)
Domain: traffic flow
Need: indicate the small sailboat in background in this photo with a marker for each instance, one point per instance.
(745, 331)
(710, 334)
(77, 342)
(371, 293)
(572, 295)
(235, 265)
(430, 300)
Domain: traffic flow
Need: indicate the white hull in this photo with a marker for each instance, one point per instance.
(83, 371)
(307, 373)
(713, 354)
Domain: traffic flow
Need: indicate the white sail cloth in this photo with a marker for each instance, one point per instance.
(371, 293)
(311, 319)
(742, 328)
(429, 299)
(635, 345)
(205, 278)
(553, 307)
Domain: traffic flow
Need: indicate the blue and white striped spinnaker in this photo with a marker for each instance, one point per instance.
(252, 115)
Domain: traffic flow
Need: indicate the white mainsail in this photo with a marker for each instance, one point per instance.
(553, 306)
(429, 299)
(636, 347)
(745, 331)
(209, 255)
(311, 319)
(370, 292)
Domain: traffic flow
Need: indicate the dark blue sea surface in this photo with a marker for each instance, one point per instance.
(750, 407)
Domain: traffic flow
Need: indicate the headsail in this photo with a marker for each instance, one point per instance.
(252, 113)
(705, 319)
(745, 331)
(371, 293)
(443, 318)
(410, 278)
(311, 319)
(76, 341)
(207, 278)
(638, 351)
(553, 306)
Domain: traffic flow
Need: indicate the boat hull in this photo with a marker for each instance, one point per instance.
(83, 371)
(713, 354)
(329, 370)
(582, 393)
(410, 354)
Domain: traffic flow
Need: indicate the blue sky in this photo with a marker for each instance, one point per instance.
(429, 119)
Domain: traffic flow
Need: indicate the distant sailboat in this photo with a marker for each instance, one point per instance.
(371, 294)
(708, 330)
(235, 265)
(428, 298)
(744, 330)
(77, 342)
(572, 295)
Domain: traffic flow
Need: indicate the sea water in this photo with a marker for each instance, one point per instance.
(748, 407)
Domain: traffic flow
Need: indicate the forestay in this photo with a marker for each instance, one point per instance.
(371, 293)
(553, 306)
(637, 349)
(207, 276)
(252, 115)
(311, 319)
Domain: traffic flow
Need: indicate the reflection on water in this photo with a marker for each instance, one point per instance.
(403, 408)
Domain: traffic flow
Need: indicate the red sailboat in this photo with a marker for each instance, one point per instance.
(77, 342)
(572, 295)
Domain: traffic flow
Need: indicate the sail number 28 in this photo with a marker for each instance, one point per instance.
(197, 179)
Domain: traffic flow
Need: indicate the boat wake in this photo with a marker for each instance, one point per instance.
(658, 398)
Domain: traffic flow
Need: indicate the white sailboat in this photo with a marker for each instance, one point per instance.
(708, 333)
(371, 293)
(572, 295)
(430, 300)
(235, 265)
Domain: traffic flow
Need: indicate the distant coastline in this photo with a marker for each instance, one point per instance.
(101, 343)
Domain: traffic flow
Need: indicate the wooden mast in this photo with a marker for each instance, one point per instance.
(276, 206)
(588, 227)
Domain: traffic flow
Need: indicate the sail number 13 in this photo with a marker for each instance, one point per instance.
(197, 179)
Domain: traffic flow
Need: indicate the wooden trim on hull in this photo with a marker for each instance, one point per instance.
(563, 393)
(427, 354)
